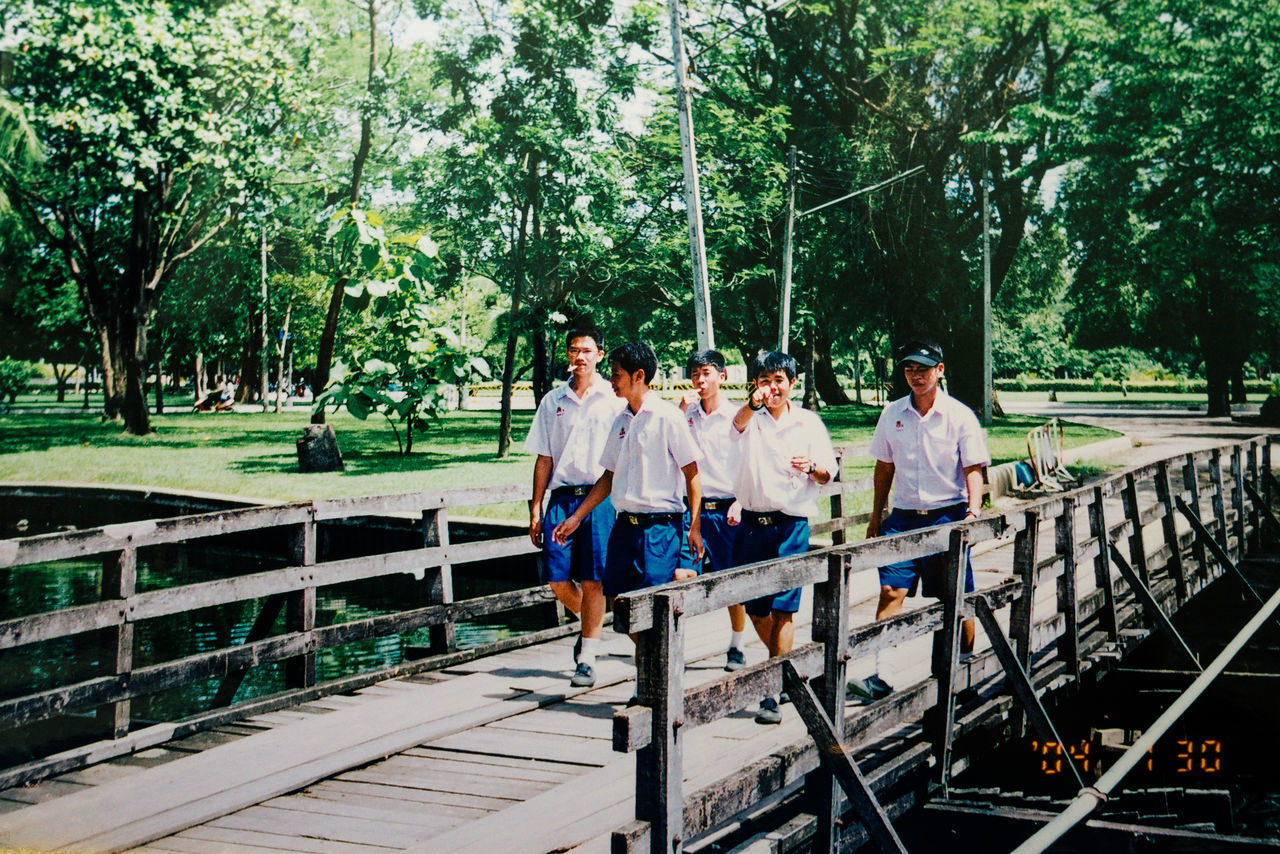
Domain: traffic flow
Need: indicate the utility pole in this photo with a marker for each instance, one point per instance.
(692, 197)
(784, 316)
(986, 291)
(264, 354)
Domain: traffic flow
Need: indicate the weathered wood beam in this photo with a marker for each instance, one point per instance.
(1152, 607)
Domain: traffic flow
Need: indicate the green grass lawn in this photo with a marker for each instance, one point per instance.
(254, 455)
(1108, 397)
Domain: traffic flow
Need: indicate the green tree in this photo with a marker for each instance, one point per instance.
(154, 117)
(1174, 203)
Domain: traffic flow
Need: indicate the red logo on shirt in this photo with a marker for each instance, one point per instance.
(690, 422)
(898, 426)
(622, 434)
(559, 411)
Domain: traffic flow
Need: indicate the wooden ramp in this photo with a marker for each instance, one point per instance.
(500, 754)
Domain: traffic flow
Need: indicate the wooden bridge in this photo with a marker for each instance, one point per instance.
(491, 750)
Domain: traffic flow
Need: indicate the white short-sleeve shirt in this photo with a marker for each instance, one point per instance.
(646, 451)
(766, 481)
(929, 453)
(572, 431)
(713, 433)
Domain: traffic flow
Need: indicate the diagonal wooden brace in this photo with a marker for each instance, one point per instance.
(840, 763)
(1019, 683)
(1261, 504)
(1150, 605)
(1219, 553)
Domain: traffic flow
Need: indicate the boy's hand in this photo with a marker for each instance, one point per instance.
(734, 514)
(565, 529)
(535, 525)
(695, 543)
(760, 396)
(689, 399)
(873, 525)
(804, 465)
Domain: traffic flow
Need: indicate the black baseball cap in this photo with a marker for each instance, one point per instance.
(925, 353)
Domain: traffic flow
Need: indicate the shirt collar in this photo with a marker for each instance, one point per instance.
(598, 384)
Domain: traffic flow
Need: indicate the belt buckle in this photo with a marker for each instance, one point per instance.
(766, 519)
(922, 512)
(631, 518)
(579, 491)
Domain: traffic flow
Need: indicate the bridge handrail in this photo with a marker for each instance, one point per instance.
(665, 817)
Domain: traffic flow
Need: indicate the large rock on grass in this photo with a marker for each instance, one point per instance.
(318, 449)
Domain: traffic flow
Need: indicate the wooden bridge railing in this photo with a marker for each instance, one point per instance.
(1093, 606)
(292, 588)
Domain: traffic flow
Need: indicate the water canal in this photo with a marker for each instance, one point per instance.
(61, 584)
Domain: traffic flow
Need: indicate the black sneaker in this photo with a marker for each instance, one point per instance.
(768, 713)
(634, 700)
(867, 690)
(584, 676)
(577, 649)
(735, 660)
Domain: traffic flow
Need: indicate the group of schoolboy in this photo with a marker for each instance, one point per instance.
(643, 492)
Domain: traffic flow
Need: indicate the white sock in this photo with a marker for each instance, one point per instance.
(735, 640)
(588, 654)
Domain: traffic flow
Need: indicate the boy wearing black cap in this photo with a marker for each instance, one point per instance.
(931, 449)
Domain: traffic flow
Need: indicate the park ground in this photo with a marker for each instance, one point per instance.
(251, 454)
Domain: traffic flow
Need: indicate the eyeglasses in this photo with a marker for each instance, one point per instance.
(581, 351)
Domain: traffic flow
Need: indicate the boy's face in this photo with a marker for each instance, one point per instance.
(777, 385)
(922, 379)
(624, 383)
(584, 355)
(706, 380)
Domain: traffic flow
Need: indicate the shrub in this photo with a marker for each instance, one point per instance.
(15, 375)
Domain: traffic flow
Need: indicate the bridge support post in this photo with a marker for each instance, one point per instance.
(660, 763)
(1020, 614)
(939, 721)
(831, 629)
(1237, 502)
(1137, 545)
(439, 581)
(1068, 603)
(1152, 606)
(1216, 498)
(1191, 485)
(1102, 564)
(1169, 525)
(300, 606)
(1255, 541)
(119, 579)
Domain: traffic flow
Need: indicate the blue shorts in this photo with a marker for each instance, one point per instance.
(642, 554)
(583, 557)
(718, 538)
(928, 570)
(765, 536)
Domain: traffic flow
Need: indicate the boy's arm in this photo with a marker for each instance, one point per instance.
(598, 493)
(881, 480)
(542, 469)
(755, 402)
(973, 484)
(693, 489)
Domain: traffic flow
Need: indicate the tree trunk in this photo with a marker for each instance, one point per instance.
(112, 376)
(137, 416)
(197, 377)
(541, 364)
(513, 319)
(1238, 393)
(280, 353)
(160, 386)
(60, 381)
(824, 375)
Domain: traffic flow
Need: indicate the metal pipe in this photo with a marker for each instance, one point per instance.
(1090, 797)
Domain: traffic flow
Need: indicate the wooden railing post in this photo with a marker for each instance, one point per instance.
(1068, 603)
(1216, 499)
(439, 580)
(838, 535)
(1132, 512)
(660, 765)
(119, 578)
(300, 607)
(831, 629)
(1169, 525)
(1255, 522)
(1191, 484)
(1237, 502)
(940, 720)
(1020, 612)
(1102, 564)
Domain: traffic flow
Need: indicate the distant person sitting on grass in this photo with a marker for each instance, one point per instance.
(650, 464)
(784, 455)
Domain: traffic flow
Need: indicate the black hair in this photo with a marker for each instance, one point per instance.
(636, 356)
(771, 360)
(583, 332)
(714, 358)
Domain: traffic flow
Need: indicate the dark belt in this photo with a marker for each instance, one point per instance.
(571, 491)
(644, 520)
(714, 503)
(937, 511)
(753, 517)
